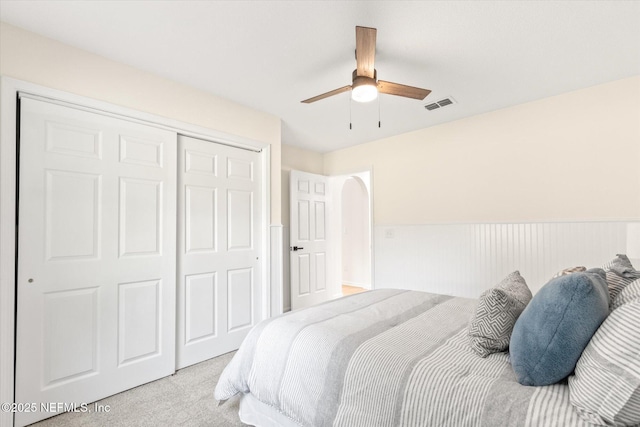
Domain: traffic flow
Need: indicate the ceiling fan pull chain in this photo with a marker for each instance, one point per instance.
(350, 104)
(379, 112)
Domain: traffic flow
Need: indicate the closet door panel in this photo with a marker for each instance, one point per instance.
(96, 255)
(219, 193)
(200, 219)
(200, 307)
(72, 208)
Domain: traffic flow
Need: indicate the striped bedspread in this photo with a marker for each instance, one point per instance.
(386, 358)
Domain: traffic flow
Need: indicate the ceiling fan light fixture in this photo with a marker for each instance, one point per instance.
(364, 89)
(366, 85)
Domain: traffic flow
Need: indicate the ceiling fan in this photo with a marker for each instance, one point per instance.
(365, 84)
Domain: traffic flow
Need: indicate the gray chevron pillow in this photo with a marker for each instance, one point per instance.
(496, 314)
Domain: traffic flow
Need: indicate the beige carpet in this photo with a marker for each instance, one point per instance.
(183, 399)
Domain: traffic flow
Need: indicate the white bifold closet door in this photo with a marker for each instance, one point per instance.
(96, 257)
(219, 241)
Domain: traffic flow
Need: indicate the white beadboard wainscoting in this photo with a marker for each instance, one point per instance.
(466, 259)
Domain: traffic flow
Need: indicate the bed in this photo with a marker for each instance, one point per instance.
(383, 358)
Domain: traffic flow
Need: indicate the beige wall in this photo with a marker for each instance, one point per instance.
(573, 157)
(298, 159)
(30, 57)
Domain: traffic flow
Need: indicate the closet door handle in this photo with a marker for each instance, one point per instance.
(296, 248)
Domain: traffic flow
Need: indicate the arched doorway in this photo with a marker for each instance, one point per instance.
(356, 236)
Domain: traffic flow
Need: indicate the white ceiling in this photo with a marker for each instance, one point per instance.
(270, 55)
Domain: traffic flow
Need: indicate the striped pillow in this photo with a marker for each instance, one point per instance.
(605, 388)
(629, 293)
(620, 273)
(496, 313)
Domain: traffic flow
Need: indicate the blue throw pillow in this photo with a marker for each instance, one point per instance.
(557, 325)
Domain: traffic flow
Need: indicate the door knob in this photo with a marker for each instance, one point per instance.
(296, 248)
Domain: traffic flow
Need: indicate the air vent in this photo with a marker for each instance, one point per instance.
(442, 103)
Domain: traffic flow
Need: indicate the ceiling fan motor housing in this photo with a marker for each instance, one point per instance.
(355, 77)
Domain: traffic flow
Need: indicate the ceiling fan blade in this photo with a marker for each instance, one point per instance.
(402, 90)
(326, 95)
(365, 51)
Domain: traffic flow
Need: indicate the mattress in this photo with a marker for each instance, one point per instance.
(384, 358)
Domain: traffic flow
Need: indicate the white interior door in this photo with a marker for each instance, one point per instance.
(96, 257)
(308, 239)
(219, 241)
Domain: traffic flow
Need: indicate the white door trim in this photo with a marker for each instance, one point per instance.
(105, 109)
(277, 270)
(10, 88)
